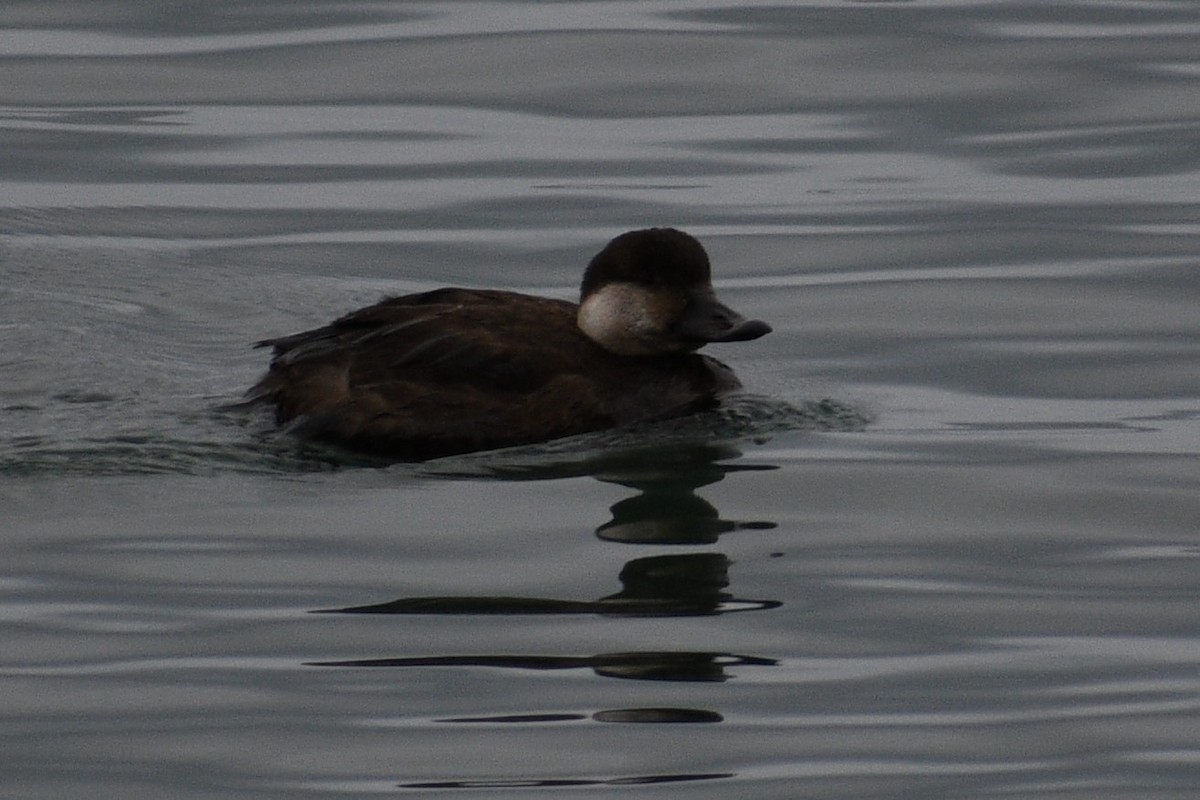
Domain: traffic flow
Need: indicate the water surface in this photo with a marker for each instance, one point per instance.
(945, 548)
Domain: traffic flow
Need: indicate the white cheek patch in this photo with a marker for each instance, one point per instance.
(620, 317)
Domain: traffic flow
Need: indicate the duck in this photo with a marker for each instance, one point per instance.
(458, 370)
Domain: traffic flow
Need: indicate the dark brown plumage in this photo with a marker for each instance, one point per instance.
(458, 370)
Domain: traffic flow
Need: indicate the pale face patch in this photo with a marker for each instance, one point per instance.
(632, 320)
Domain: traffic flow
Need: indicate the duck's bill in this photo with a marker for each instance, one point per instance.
(747, 330)
(709, 320)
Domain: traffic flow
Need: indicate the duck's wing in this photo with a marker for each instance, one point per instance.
(390, 315)
(445, 371)
(408, 421)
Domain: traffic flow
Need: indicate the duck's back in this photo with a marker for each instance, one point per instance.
(458, 370)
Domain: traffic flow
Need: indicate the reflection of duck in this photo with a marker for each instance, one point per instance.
(669, 517)
(668, 511)
(457, 370)
(658, 586)
(559, 783)
(643, 666)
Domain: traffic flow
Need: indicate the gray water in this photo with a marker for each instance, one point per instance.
(945, 548)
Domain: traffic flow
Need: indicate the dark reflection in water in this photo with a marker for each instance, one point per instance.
(644, 666)
(536, 784)
(659, 586)
(667, 511)
(657, 715)
(612, 715)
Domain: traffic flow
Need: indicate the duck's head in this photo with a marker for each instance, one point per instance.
(649, 292)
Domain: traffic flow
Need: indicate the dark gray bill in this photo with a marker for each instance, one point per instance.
(706, 319)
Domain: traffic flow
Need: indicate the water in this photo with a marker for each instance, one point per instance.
(947, 548)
